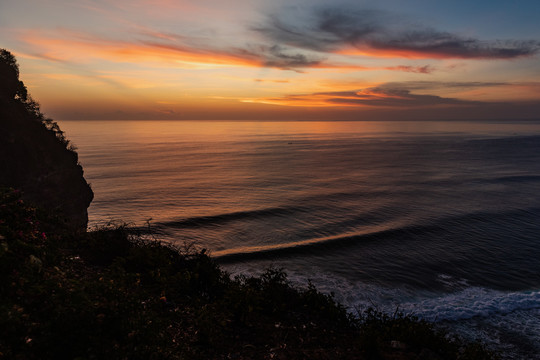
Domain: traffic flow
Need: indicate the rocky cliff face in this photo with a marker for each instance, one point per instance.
(35, 158)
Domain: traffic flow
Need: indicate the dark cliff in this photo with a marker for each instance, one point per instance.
(35, 157)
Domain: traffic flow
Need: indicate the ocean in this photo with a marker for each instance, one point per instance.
(436, 219)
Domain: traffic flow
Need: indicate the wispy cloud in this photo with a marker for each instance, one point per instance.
(381, 34)
(426, 69)
(433, 85)
(383, 96)
(391, 97)
(278, 56)
(272, 81)
(82, 47)
(175, 50)
(413, 94)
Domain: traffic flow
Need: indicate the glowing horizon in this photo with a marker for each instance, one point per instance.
(150, 59)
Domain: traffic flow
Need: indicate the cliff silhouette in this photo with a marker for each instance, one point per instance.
(35, 157)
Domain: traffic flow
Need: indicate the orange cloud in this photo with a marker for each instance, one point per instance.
(77, 47)
(382, 97)
(297, 101)
(176, 51)
(273, 81)
(310, 100)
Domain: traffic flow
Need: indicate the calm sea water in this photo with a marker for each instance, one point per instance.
(440, 219)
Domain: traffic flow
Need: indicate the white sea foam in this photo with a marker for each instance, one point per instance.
(472, 302)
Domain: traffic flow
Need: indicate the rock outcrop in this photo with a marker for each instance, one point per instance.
(35, 157)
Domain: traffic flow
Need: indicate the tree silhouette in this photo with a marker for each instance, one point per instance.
(13, 89)
(9, 74)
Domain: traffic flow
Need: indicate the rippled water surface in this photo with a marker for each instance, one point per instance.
(439, 218)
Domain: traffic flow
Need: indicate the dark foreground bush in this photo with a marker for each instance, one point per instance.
(108, 294)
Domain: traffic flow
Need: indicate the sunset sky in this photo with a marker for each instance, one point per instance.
(280, 59)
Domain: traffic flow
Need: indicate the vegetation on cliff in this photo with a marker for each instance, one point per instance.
(110, 294)
(35, 156)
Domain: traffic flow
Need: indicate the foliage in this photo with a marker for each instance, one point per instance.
(9, 60)
(15, 90)
(111, 294)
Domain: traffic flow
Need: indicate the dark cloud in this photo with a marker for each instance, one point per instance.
(277, 56)
(396, 97)
(431, 85)
(270, 56)
(325, 30)
(382, 96)
(426, 69)
(442, 44)
(331, 29)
